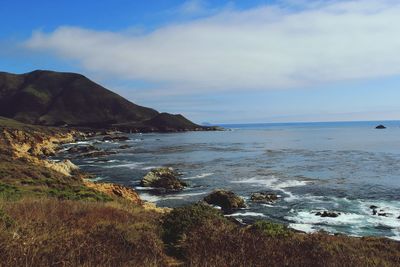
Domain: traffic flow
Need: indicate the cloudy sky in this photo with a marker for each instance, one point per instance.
(220, 61)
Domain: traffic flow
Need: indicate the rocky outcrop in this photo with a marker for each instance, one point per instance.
(35, 146)
(226, 200)
(164, 179)
(114, 190)
(82, 149)
(264, 197)
(380, 126)
(329, 214)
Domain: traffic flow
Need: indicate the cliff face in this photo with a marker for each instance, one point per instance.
(30, 146)
(57, 98)
(34, 146)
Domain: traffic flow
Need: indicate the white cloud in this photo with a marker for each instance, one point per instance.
(268, 47)
(192, 7)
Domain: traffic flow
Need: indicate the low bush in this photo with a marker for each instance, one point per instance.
(272, 229)
(180, 221)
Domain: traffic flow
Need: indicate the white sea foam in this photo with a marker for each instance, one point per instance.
(98, 178)
(149, 198)
(272, 182)
(307, 228)
(131, 165)
(245, 214)
(199, 176)
(150, 168)
(144, 188)
(359, 221)
(309, 217)
(153, 198)
(183, 196)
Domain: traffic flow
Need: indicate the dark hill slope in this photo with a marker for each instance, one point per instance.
(56, 98)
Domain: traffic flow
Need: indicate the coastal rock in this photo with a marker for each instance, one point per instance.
(163, 178)
(99, 153)
(113, 138)
(329, 214)
(115, 190)
(373, 208)
(227, 200)
(264, 197)
(380, 126)
(124, 146)
(82, 149)
(65, 166)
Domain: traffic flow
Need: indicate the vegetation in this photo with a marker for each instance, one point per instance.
(50, 232)
(181, 221)
(272, 229)
(50, 219)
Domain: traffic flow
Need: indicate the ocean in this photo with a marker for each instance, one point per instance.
(344, 167)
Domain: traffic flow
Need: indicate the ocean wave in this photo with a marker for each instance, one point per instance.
(150, 168)
(356, 217)
(199, 176)
(131, 165)
(156, 198)
(271, 182)
(246, 214)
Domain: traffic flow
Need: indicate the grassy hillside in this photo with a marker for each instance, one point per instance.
(56, 98)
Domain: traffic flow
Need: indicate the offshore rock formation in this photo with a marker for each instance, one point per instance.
(264, 197)
(164, 179)
(227, 200)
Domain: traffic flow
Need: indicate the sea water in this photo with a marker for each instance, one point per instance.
(343, 167)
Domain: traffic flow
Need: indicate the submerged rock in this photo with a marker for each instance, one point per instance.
(380, 126)
(373, 208)
(124, 146)
(329, 214)
(94, 154)
(82, 149)
(264, 197)
(227, 200)
(163, 178)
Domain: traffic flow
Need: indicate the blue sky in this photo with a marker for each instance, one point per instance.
(220, 61)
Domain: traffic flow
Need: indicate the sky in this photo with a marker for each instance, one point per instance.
(219, 61)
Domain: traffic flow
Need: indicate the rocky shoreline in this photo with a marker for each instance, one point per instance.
(36, 146)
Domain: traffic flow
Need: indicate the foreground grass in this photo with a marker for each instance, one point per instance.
(54, 232)
(203, 237)
(51, 232)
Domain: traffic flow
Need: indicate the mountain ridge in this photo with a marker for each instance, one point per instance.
(51, 98)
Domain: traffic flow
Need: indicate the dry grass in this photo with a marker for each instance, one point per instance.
(50, 232)
(225, 245)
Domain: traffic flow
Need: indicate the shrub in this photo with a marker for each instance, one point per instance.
(271, 229)
(180, 221)
(5, 220)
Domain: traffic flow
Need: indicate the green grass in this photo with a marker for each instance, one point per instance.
(272, 229)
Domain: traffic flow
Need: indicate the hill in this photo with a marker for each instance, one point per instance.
(57, 98)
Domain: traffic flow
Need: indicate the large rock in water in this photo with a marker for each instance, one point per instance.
(380, 126)
(264, 197)
(163, 178)
(227, 200)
